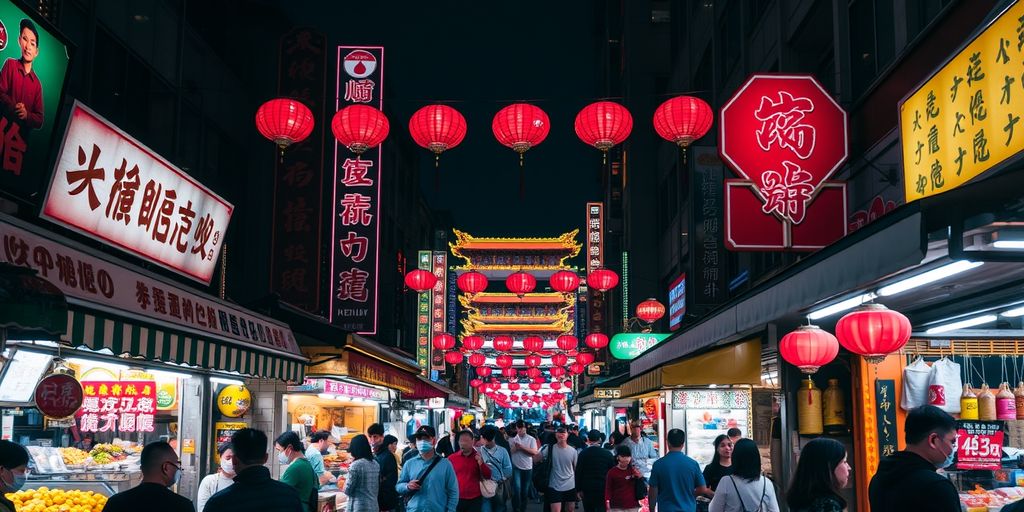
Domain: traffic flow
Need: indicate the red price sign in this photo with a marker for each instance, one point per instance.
(979, 445)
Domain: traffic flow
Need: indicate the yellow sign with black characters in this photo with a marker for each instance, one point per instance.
(966, 118)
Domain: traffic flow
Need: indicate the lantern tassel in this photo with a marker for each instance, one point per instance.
(522, 179)
(437, 173)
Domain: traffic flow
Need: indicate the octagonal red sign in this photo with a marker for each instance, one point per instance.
(787, 136)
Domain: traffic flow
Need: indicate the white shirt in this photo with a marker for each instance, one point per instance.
(521, 459)
(211, 484)
(756, 495)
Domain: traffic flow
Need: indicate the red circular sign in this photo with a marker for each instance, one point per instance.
(58, 395)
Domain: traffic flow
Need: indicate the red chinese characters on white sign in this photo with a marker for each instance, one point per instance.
(108, 185)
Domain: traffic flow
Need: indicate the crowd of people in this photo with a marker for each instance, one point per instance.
(490, 469)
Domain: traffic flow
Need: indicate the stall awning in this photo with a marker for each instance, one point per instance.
(424, 389)
(735, 364)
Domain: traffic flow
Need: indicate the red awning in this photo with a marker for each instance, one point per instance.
(425, 390)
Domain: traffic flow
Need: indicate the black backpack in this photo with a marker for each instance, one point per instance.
(542, 470)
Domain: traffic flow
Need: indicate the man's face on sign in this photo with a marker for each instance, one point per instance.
(29, 45)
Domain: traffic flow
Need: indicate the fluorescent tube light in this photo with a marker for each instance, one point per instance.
(169, 375)
(91, 363)
(1013, 313)
(1008, 244)
(928, 277)
(325, 396)
(230, 382)
(839, 307)
(962, 324)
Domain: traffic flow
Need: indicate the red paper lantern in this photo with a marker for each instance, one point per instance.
(683, 119)
(453, 357)
(533, 373)
(596, 340)
(360, 127)
(555, 385)
(873, 331)
(477, 359)
(520, 126)
(603, 124)
(476, 383)
(540, 379)
(437, 128)
(567, 342)
(535, 386)
(420, 280)
(559, 360)
(533, 361)
(533, 343)
(520, 283)
(444, 341)
(472, 342)
(513, 386)
(483, 371)
(503, 361)
(284, 121)
(650, 310)
(809, 348)
(602, 279)
(472, 282)
(576, 368)
(585, 358)
(556, 371)
(503, 343)
(508, 373)
(567, 384)
(564, 281)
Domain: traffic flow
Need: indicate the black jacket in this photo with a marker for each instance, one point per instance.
(148, 496)
(446, 446)
(592, 466)
(255, 490)
(387, 496)
(906, 481)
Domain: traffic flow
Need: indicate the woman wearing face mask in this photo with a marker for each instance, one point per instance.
(721, 462)
(13, 462)
(820, 473)
(222, 479)
(299, 473)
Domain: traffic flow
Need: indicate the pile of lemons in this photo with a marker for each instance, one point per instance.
(44, 499)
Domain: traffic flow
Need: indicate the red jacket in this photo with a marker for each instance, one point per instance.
(620, 488)
(469, 474)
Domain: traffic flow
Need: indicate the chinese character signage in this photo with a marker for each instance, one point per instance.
(885, 401)
(355, 227)
(423, 323)
(979, 444)
(35, 64)
(109, 186)
(711, 399)
(118, 406)
(340, 389)
(438, 306)
(298, 178)
(607, 393)
(785, 137)
(58, 395)
(966, 118)
(677, 302)
(595, 260)
(708, 266)
(628, 345)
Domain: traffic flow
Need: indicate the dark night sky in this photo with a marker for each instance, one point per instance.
(479, 57)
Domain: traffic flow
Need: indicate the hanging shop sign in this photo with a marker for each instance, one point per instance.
(628, 345)
(979, 445)
(340, 389)
(596, 304)
(295, 256)
(966, 118)
(708, 269)
(785, 137)
(118, 406)
(108, 185)
(423, 323)
(374, 372)
(222, 432)
(607, 393)
(711, 398)
(234, 401)
(355, 224)
(58, 396)
(676, 302)
(438, 306)
(885, 396)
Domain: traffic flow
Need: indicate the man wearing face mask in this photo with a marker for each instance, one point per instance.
(428, 480)
(161, 469)
(253, 489)
(13, 463)
(299, 473)
(907, 480)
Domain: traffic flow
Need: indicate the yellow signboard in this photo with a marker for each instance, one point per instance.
(967, 118)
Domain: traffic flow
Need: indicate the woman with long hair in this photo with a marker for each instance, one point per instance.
(746, 488)
(721, 462)
(363, 481)
(820, 473)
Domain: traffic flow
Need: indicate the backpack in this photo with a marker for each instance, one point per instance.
(542, 470)
(760, 503)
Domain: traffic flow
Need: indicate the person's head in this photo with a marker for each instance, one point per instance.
(227, 458)
(594, 437)
(376, 434)
(250, 449)
(616, 438)
(359, 447)
(723, 449)
(389, 443)
(521, 428)
(821, 471)
(425, 437)
(549, 427)
(465, 440)
(160, 464)
(676, 439)
(931, 433)
(735, 434)
(623, 455)
(561, 435)
(28, 40)
(746, 460)
(489, 433)
(635, 430)
(321, 439)
(13, 464)
(173, 441)
(288, 447)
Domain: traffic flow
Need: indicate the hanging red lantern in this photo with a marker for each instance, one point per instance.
(683, 119)
(520, 126)
(472, 342)
(520, 283)
(559, 359)
(576, 368)
(873, 331)
(650, 310)
(603, 124)
(437, 128)
(555, 385)
(483, 371)
(476, 383)
(596, 340)
(503, 361)
(444, 341)
(453, 357)
(564, 281)
(540, 380)
(535, 386)
(508, 373)
(568, 384)
(533, 373)
(533, 343)
(503, 343)
(513, 386)
(533, 361)
(556, 371)
(284, 121)
(602, 279)
(567, 342)
(472, 282)
(477, 359)
(585, 358)
(359, 127)
(420, 280)
(809, 348)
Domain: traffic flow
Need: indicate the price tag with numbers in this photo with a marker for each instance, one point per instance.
(979, 444)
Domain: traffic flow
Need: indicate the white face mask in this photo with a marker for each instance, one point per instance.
(227, 465)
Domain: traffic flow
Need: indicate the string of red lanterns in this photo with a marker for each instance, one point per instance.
(872, 331)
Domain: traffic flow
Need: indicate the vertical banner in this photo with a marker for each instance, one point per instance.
(439, 305)
(625, 289)
(885, 400)
(708, 274)
(423, 336)
(355, 225)
(298, 178)
(595, 260)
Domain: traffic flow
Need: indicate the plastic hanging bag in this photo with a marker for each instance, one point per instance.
(915, 384)
(944, 383)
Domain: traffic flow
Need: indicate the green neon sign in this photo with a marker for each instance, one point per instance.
(629, 345)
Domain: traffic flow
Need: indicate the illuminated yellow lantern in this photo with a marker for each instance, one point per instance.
(234, 401)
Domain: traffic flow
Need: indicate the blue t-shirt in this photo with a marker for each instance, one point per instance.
(676, 476)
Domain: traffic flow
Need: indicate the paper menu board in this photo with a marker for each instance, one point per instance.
(704, 425)
(22, 375)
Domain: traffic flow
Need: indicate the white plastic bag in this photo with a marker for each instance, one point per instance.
(915, 384)
(945, 385)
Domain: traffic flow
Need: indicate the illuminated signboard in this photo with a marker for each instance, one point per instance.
(676, 302)
(423, 334)
(628, 345)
